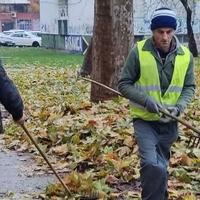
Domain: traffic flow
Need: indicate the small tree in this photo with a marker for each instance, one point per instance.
(191, 40)
(86, 67)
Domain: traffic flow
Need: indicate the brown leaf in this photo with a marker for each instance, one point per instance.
(186, 160)
(60, 150)
(111, 156)
(110, 179)
(122, 151)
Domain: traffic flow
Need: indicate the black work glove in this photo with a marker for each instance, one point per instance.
(152, 106)
(173, 110)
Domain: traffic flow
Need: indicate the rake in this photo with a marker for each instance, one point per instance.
(194, 140)
(94, 195)
(45, 158)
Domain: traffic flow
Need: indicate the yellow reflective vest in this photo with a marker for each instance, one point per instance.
(149, 81)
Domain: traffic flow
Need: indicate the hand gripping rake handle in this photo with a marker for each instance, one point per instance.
(161, 110)
(45, 158)
(181, 121)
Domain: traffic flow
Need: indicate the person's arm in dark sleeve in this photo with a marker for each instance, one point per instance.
(130, 74)
(10, 97)
(188, 88)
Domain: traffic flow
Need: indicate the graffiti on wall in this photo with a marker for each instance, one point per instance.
(80, 29)
(44, 28)
(50, 27)
(73, 43)
(63, 12)
(142, 19)
(181, 26)
(141, 26)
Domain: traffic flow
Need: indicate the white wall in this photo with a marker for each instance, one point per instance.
(49, 16)
(81, 17)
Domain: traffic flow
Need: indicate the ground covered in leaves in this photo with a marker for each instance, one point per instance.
(91, 145)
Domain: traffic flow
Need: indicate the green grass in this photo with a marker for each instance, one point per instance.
(20, 57)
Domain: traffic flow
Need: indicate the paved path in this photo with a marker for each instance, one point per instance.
(15, 182)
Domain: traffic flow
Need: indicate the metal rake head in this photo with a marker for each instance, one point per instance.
(91, 196)
(193, 142)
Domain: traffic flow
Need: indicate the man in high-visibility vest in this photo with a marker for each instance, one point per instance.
(158, 73)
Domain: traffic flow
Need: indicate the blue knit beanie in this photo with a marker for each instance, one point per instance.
(163, 18)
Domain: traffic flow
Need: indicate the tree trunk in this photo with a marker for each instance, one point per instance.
(112, 39)
(191, 40)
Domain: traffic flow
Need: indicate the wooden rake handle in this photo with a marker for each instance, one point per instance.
(181, 121)
(45, 158)
(161, 110)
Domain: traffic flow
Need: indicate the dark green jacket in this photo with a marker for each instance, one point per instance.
(10, 96)
(131, 73)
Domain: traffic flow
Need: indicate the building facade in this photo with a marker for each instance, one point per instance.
(73, 19)
(19, 14)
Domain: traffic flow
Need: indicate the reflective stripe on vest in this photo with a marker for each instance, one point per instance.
(149, 81)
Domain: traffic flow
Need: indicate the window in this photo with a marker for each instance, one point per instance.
(17, 35)
(24, 24)
(62, 27)
(20, 8)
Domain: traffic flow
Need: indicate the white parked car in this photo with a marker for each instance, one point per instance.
(12, 31)
(25, 39)
(36, 33)
(6, 40)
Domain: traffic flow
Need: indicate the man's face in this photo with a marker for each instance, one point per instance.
(163, 38)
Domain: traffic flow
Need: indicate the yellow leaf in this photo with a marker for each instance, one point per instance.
(128, 141)
(189, 197)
